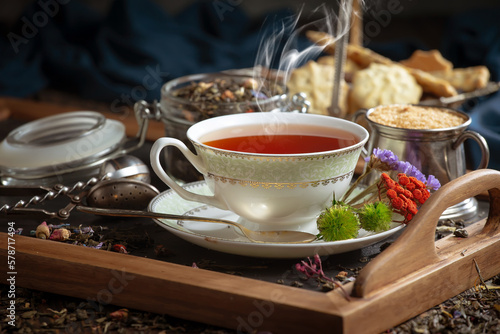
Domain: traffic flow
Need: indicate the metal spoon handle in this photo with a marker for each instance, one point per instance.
(260, 237)
(146, 214)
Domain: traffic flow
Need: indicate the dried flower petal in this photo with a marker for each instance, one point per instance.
(60, 234)
(410, 170)
(411, 207)
(418, 184)
(120, 249)
(42, 231)
(121, 314)
(400, 190)
(403, 179)
(433, 183)
(391, 193)
(417, 194)
(408, 194)
(397, 203)
(385, 156)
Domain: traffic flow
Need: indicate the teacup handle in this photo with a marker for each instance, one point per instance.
(357, 114)
(483, 145)
(195, 160)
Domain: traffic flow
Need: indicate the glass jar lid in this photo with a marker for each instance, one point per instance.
(59, 142)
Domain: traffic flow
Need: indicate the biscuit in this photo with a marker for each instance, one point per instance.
(364, 57)
(316, 81)
(350, 66)
(430, 84)
(381, 84)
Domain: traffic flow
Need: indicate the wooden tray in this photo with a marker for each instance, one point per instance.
(413, 268)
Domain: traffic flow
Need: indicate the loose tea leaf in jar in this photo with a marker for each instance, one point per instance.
(209, 95)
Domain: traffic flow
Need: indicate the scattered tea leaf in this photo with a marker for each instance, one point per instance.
(29, 314)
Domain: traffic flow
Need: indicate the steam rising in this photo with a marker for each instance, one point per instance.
(287, 32)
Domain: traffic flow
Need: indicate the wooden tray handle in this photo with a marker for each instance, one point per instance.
(415, 248)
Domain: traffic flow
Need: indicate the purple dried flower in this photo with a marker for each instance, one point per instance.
(98, 246)
(410, 170)
(389, 158)
(456, 314)
(52, 226)
(386, 156)
(433, 183)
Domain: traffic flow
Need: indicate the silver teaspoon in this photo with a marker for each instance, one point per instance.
(287, 237)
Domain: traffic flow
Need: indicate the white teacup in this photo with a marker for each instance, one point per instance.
(269, 191)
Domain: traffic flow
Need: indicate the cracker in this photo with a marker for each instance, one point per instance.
(433, 85)
(428, 61)
(466, 79)
(362, 56)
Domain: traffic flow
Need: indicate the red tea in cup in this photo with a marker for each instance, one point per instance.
(296, 139)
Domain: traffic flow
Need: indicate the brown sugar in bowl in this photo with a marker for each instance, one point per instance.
(416, 117)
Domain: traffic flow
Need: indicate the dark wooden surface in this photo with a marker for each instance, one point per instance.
(182, 253)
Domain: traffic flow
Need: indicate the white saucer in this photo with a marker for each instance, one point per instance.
(227, 239)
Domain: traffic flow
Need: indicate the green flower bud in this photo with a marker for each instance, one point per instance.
(375, 217)
(338, 222)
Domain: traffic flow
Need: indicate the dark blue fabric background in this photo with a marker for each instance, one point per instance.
(137, 47)
(101, 58)
(473, 38)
